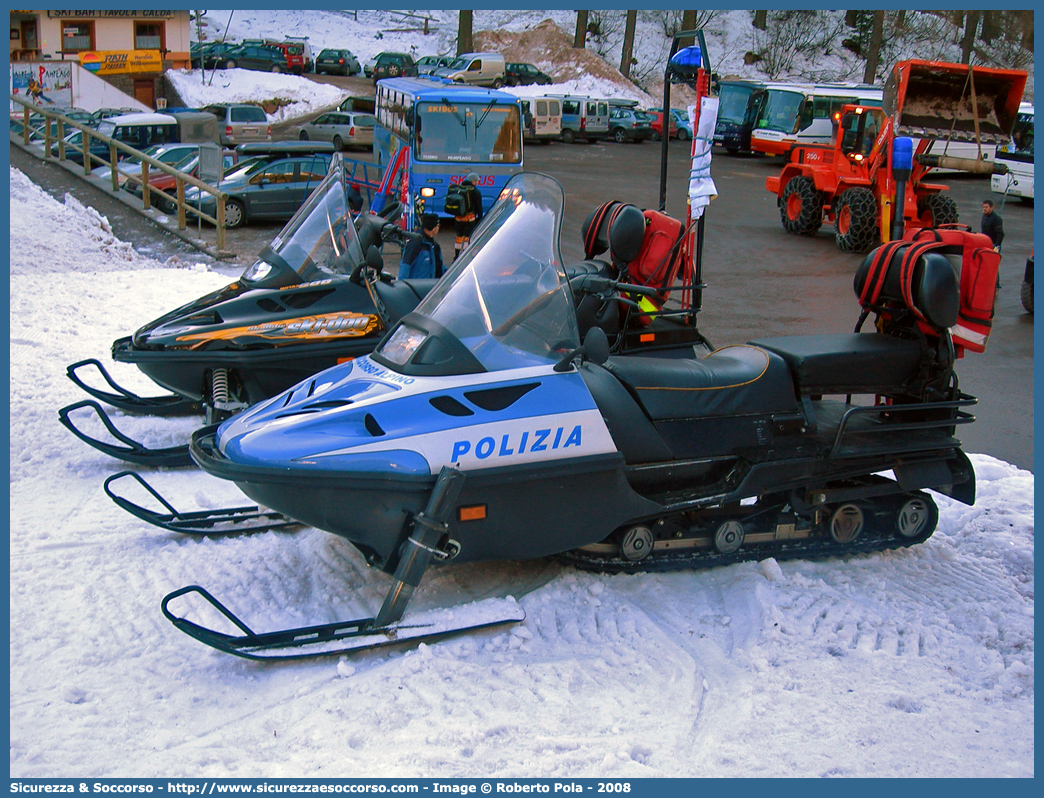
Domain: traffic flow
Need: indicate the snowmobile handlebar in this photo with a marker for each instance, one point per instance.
(606, 288)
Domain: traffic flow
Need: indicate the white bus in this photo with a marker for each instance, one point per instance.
(1018, 157)
(793, 114)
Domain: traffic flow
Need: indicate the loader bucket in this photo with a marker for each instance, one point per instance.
(934, 99)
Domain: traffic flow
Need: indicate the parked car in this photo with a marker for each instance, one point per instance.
(160, 181)
(337, 62)
(393, 65)
(271, 186)
(680, 126)
(166, 153)
(516, 74)
(657, 124)
(368, 65)
(365, 105)
(478, 69)
(294, 60)
(259, 57)
(107, 113)
(340, 129)
(629, 124)
(210, 55)
(301, 46)
(429, 63)
(238, 124)
(136, 130)
(37, 122)
(681, 118)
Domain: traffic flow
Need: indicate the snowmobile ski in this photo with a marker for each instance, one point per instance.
(166, 405)
(345, 636)
(132, 451)
(428, 540)
(226, 521)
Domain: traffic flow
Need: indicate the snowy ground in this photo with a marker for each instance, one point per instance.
(911, 663)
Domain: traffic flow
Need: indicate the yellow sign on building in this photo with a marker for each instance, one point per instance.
(113, 62)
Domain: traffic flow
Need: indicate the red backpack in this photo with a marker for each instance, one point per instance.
(647, 245)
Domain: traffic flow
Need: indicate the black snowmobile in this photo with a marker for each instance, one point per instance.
(315, 297)
(481, 429)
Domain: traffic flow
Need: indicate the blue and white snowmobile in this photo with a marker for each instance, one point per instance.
(480, 428)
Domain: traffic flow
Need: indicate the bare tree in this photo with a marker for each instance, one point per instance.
(628, 43)
(464, 35)
(874, 55)
(580, 37)
(792, 35)
(971, 24)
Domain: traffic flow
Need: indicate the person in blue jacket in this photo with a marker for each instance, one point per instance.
(422, 256)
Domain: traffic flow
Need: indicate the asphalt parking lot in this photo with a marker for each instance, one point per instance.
(763, 282)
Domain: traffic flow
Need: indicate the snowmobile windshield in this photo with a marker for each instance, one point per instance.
(319, 241)
(505, 300)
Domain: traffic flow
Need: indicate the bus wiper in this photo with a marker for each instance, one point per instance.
(485, 113)
(461, 119)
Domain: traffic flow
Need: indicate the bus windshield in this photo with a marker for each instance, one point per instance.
(781, 110)
(468, 132)
(732, 102)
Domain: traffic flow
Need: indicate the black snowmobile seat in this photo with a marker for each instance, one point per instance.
(732, 381)
(853, 363)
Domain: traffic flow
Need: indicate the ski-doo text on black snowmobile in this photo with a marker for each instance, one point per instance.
(315, 297)
(796, 446)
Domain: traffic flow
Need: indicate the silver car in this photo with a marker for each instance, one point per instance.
(341, 129)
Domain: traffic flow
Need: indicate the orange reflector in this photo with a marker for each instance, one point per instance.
(475, 512)
(646, 338)
(341, 360)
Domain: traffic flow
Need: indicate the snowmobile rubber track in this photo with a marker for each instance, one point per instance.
(881, 538)
(226, 521)
(133, 451)
(339, 637)
(122, 399)
(779, 550)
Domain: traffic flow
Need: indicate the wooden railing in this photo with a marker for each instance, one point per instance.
(53, 130)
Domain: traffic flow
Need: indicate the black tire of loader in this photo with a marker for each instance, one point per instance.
(1026, 295)
(801, 207)
(937, 209)
(855, 220)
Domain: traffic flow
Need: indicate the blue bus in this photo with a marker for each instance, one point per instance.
(432, 133)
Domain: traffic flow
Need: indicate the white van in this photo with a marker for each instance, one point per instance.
(542, 118)
(479, 69)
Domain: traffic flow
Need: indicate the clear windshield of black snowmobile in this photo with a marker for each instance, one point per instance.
(319, 241)
(506, 299)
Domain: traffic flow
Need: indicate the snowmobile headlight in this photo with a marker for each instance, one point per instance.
(259, 271)
(427, 192)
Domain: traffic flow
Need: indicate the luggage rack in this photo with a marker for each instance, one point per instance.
(859, 426)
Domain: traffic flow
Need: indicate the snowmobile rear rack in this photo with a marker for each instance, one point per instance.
(226, 521)
(168, 405)
(133, 451)
(429, 530)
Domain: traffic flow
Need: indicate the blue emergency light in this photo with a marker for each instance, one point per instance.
(902, 157)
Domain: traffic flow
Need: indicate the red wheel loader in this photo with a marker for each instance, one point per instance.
(850, 183)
